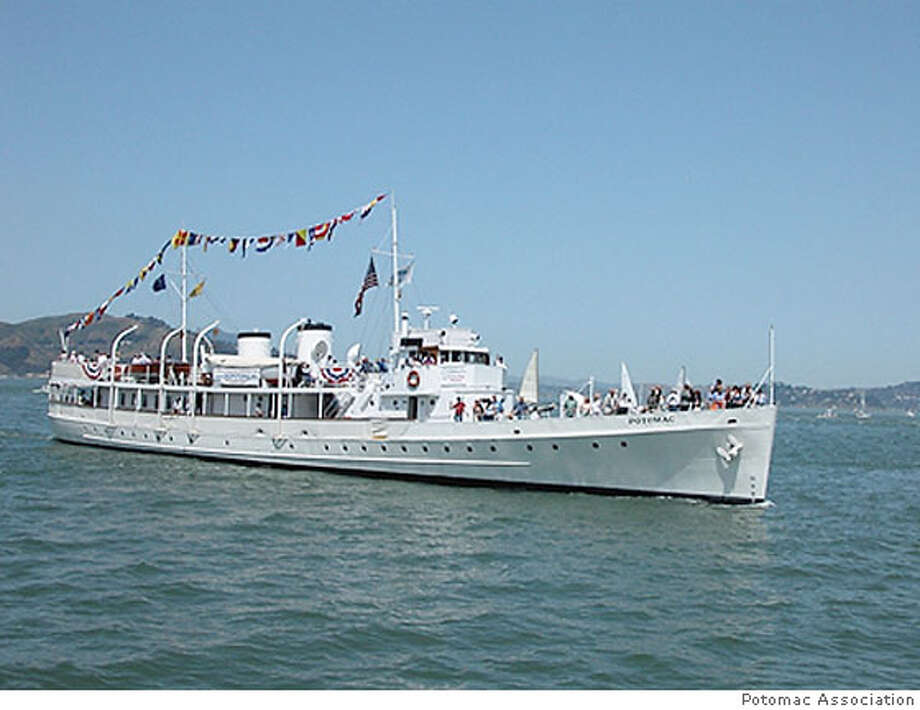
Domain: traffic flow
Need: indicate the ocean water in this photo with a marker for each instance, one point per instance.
(140, 571)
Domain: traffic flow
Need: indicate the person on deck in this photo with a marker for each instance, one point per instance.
(596, 408)
(478, 410)
(673, 401)
(609, 404)
(570, 406)
(520, 408)
(458, 408)
(686, 398)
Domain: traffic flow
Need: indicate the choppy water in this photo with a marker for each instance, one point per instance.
(140, 571)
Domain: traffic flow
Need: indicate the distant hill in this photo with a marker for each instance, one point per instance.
(30, 346)
(903, 396)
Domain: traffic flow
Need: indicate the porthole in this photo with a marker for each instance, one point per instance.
(363, 447)
(326, 447)
(344, 447)
(425, 448)
(596, 445)
(530, 447)
(446, 448)
(383, 447)
(404, 449)
(732, 421)
(555, 447)
(226, 442)
(517, 431)
(290, 446)
(492, 448)
(469, 449)
(623, 444)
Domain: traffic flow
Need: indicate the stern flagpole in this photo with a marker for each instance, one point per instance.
(395, 245)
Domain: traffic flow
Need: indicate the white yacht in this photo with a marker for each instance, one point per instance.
(436, 409)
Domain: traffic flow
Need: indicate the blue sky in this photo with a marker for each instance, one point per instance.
(648, 182)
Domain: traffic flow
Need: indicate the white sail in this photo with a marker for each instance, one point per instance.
(681, 379)
(530, 382)
(354, 352)
(626, 386)
(861, 412)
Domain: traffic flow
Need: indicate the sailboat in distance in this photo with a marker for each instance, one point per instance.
(861, 412)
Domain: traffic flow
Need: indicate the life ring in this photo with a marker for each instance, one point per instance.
(413, 379)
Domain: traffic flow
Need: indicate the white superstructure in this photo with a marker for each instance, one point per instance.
(437, 409)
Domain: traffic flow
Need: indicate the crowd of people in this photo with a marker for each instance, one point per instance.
(101, 358)
(685, 399)
(366, 366)
(490, 409)
(418, 359)
(98, 357)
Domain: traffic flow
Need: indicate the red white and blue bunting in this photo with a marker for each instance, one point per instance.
(93, 370)
(337, 374)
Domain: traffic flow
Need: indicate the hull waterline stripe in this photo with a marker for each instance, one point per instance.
(437, 479)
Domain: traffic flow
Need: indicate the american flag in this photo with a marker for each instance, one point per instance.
(370, 280)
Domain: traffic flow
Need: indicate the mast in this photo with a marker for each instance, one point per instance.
(183, 296)
(396, 294)
(772, 366)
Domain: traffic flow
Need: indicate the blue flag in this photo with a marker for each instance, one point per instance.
(160, 283)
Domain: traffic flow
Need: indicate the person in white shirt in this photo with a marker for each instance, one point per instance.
(596, 406)
(673, 401)
(610, 402)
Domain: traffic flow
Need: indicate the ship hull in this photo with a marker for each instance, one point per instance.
(721, 455)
